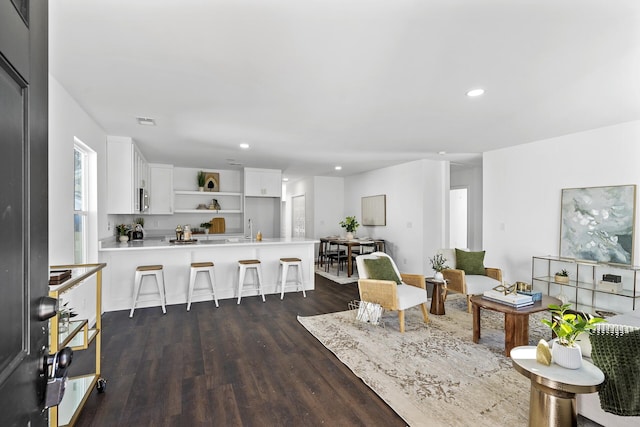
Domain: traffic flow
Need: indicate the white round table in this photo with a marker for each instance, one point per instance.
(554, 388)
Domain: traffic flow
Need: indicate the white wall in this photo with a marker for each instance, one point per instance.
(522, 190)
(66, 121)
(417, 206)
(328, 206)
(471, 178)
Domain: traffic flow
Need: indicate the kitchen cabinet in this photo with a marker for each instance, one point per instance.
(78, 335)
(582, 289)
(262, 182)
(161, 189)
(126, 174)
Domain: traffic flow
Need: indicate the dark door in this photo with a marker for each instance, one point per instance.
(23, 210)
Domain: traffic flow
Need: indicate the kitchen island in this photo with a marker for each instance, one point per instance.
(123, 258)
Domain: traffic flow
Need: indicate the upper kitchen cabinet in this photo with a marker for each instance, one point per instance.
(161, 189)
(127, 175)
(262, 182)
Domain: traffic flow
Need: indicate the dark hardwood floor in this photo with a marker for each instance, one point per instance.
(251, 364)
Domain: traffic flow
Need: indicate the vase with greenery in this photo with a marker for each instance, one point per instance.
(562, 276)
(201, 180)
(438, 263)
(206, 226)
(350, 224)
(123, 230)
(568, 326)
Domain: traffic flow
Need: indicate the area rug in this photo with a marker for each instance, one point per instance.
(332, 275)
(434, 374)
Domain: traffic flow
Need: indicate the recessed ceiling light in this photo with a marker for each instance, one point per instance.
(475, 92)
(244, 146)
(285, 179)
(442, 153)
(338, 168)
(146, 121)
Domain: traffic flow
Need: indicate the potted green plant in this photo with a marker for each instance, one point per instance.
(201, 180)
(562, 276)
(350, 224)
(123, 230)
(438, 263)
(567, 327)
(206, 226)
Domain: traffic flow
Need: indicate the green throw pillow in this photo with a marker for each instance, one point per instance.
(381, 269)
(470, 262)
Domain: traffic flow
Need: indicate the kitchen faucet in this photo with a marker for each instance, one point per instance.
(250, 229)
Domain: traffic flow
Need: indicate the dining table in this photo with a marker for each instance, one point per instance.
(378, 245)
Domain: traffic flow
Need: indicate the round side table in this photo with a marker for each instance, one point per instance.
(554, 388)
(437, 297)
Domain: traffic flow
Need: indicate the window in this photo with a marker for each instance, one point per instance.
(80, 203)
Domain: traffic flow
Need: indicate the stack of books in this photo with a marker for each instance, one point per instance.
(56, 277)
(513, 300)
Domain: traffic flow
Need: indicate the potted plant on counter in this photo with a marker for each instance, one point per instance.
(206, 226)
(567, 326)
(350, 224)
(123, 230)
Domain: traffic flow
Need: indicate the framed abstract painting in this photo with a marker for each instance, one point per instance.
(597, 224)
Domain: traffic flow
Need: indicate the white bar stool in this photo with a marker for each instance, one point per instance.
(244, 265)
(149, 270)
(285, 263)
(202, 267)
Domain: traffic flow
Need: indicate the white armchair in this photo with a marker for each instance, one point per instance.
(468, 284)
(389, 294)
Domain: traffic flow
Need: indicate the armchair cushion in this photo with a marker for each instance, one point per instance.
(470, 262)
(410, 296)
(476, 284)
(381, 269)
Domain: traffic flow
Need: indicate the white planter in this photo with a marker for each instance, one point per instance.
(349, 236)
(567, 357)
(124, 238)
(438, 276)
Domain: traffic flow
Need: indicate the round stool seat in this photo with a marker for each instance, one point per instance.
(201, 264)
(149, 267)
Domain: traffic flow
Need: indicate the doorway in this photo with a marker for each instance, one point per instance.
(458, 218)
(298, 216)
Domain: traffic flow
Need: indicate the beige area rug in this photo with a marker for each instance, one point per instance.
(341, 278)
(433, 374)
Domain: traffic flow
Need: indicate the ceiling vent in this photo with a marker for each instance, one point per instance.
(146, 121)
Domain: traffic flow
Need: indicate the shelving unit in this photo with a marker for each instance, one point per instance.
(79, 336)
(186, 202)
(582, 290)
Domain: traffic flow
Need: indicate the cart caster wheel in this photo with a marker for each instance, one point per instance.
(101, 385)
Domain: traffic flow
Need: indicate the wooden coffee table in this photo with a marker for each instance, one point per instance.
(516, 320)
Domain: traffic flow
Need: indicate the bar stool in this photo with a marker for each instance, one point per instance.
(244, 265)
(149, 270)
(202, 267)
(285, 263)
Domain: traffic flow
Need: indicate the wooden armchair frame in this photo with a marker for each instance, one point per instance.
(456, 281)
(385, 293)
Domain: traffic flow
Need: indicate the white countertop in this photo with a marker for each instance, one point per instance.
(112, 245)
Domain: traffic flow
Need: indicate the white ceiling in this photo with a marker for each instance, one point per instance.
(310, 84)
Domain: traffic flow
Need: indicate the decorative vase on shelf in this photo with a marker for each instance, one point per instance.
(567, 357)
(124, 239)
(349, 235)
(200, 188)
(438, 276)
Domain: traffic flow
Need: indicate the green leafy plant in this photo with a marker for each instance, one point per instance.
(201, 178)
(438, 262)
(205, 225)
(567, 326)
(139, 220)
(350, 224)
(563, 273)
(122, 229)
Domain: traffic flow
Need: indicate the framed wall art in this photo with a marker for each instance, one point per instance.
(374, 210)
(212, 181)
(597, 224)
